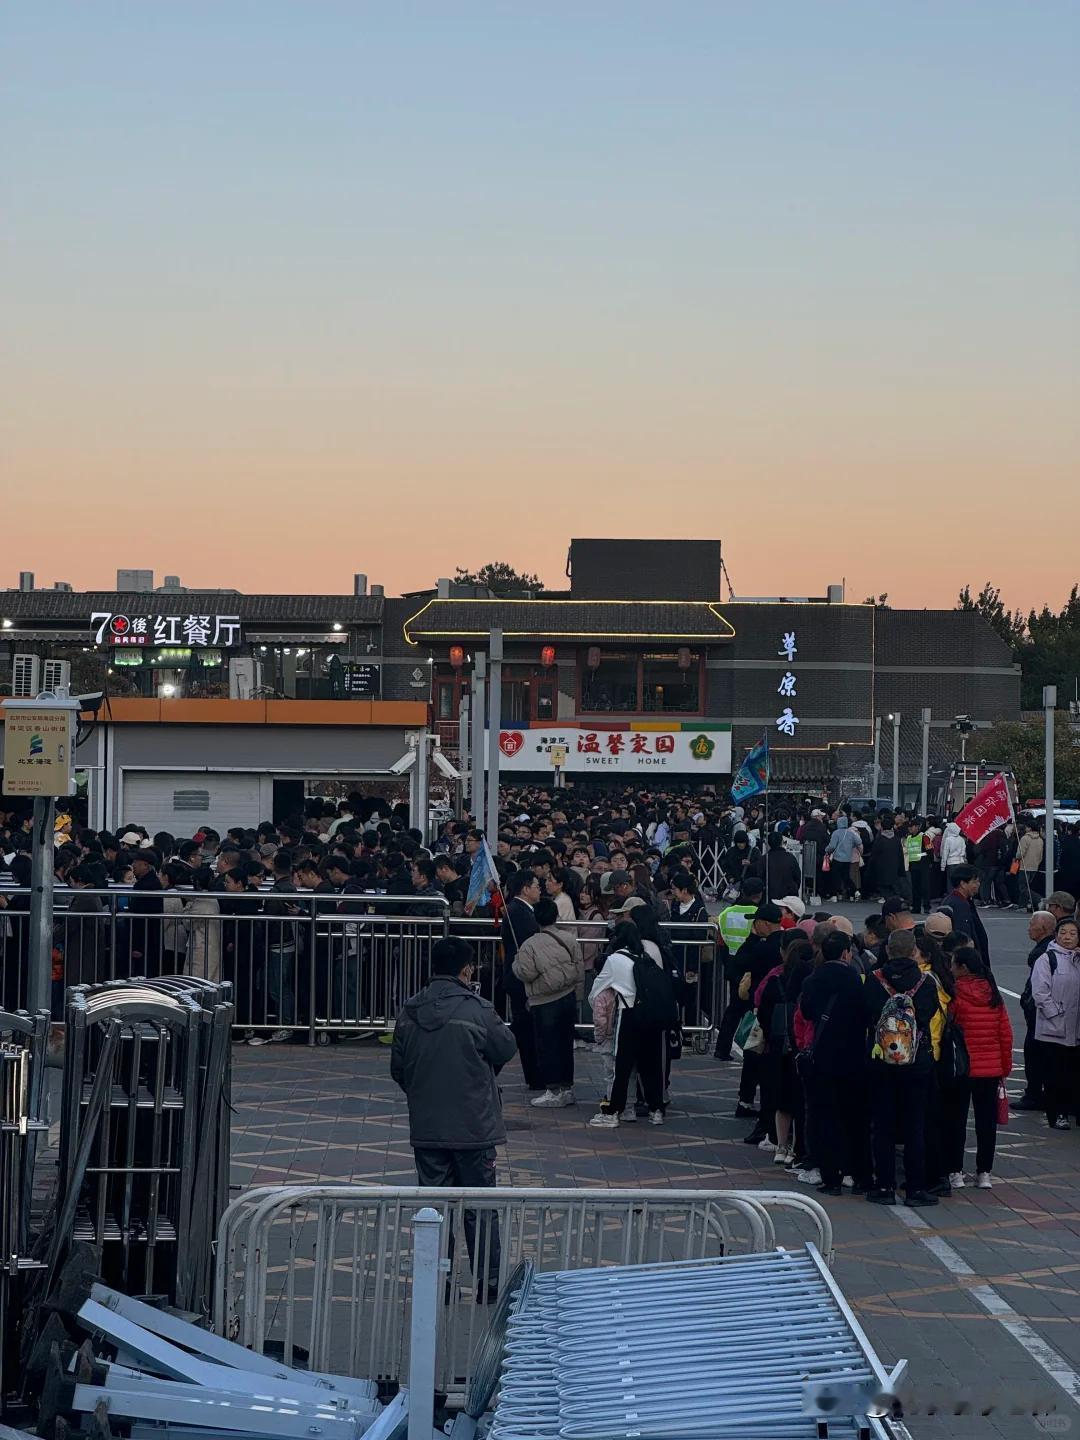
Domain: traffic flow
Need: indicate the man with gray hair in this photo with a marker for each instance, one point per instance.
(1041, 928)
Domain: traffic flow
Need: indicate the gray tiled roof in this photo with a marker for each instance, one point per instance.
(34, 605)
(600, 619)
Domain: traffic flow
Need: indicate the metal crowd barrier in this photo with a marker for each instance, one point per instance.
(323, 1271)
(316, 966)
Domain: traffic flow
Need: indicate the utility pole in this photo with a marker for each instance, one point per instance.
(495, 655)
(877, 759)
(895, 759)
(423, 783)
(464, 752)
(478, 737)
(924, 792)
(1049, 706)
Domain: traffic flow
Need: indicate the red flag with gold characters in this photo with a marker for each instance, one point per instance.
(986, 811)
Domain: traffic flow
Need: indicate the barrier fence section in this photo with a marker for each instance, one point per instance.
(322, 1273)
(715, 885)
(305, 965)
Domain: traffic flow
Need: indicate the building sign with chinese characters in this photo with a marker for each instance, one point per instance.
(361, 679)
(686, 749)
(787, 722)
(218, 631)
(37, 750)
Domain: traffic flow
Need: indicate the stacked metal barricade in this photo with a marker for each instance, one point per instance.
(149, 1375)
(733, 1349)
(23, 1042)
(144, 1144)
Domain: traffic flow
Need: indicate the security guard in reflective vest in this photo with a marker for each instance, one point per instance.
(733, 925)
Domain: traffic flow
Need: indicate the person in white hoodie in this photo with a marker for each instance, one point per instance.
(636, 1047)
(953, 847)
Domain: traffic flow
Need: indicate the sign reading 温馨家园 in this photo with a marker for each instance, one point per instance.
(681, 748)
(216, 631)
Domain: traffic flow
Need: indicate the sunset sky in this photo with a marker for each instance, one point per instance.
(295, 288)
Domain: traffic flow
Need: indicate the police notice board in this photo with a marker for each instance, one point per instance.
(37, 750)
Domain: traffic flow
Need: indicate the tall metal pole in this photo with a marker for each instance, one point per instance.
(464, 752)
(877, 758)
(479, 745)
(495, 656)
(1049, 706)
(924, 792)
(896, 759)
(423, 783)
(39, 981)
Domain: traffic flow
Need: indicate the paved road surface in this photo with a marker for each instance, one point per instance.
(980, 1294)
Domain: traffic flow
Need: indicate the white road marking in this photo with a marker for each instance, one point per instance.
(1011, 993)
(1044, 1355)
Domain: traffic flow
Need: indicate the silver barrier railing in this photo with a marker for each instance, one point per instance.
(304, 964)
(323, 1270)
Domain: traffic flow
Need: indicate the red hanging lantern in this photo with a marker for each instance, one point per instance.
(547, 656)
(457, 656)
(592, 657)
(684, 657)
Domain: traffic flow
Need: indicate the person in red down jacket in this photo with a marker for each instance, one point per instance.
(980, 1013)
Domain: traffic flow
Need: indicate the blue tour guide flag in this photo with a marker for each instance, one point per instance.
(752, 776)
(481, 871)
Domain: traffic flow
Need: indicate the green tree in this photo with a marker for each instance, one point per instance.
(499, 577)
(1020, 746)
(1009, 624)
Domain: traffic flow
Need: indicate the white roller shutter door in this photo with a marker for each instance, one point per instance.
(181, 802)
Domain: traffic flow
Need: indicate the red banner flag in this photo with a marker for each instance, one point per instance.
(988, 810)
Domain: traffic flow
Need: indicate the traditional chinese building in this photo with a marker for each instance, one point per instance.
(239, 704)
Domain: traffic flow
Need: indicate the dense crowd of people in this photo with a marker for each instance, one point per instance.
(848, 1040)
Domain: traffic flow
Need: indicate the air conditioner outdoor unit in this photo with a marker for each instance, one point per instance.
(56, 675)
(25, 677)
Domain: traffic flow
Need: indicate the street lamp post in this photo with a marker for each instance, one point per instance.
(1049, 706)
(924, 792)
(895, 758)
(877, 758)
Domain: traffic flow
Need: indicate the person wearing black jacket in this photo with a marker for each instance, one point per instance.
(890, 877)
(782, 873)
(519, 923)
(144, 936)
(757, 955)
(899, 1093)
(834, 1072)
(1041, 928)
(959, 903)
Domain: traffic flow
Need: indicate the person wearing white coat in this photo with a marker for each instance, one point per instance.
(953, 847)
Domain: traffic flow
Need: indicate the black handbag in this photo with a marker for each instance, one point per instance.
(954, 1063)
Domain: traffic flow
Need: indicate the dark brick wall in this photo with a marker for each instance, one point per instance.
(645, 569)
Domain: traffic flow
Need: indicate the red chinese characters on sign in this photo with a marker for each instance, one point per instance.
(665, 744)
(639, 744)
(588, 744)
(615, 743)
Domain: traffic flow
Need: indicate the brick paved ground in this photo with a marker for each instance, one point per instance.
(305, 1115)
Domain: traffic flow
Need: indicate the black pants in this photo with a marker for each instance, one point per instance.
(1058, 1066)
(937, 1150)
(981, 1093)
(838, 1132)
(733, 1013)
(1033, 1061)
(919, 876)
(553, 1029)
(898, 1100)
(641, 1049)
(476, 1168)
(749, 1080)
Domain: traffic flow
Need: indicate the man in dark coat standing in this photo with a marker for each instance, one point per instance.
(449, 1045)
(519, 923)
(964, 885)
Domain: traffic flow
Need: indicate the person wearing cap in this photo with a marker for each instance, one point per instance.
(793, 911)
(1061, 905)
(733, 926)
(938, 925)
(144, 936)
(896, 913)
(759, 954)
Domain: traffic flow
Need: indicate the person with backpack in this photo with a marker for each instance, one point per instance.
(733, 926)
(645, 1009)
(776, 1000)
(901, 1004)
(980, 1015)
(1055, 989)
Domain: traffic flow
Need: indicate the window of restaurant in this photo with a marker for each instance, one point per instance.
(654, 684)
